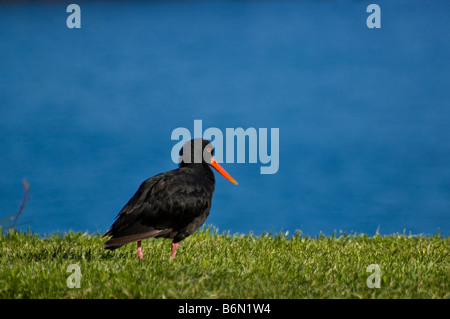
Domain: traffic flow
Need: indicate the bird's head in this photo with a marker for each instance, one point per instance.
(201, 151)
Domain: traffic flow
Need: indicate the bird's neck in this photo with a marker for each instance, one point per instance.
(203, 169)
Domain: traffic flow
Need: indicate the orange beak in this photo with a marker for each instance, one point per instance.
(219, 168)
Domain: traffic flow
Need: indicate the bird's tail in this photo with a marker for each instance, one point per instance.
(116, 242)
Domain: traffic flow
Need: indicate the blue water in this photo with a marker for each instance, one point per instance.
(364, 114)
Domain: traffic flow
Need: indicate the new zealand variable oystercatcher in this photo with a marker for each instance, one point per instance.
(172, 204)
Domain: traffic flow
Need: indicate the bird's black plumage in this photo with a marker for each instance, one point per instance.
(172, 204)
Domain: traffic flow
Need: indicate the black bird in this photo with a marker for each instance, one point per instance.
(172, 204)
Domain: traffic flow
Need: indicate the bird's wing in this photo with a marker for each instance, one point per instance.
(163, 203)
(128, 214)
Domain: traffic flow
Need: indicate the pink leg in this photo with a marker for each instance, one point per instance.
(174, 249)
(139, 250)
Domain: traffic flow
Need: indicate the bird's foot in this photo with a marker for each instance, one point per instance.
(140, 254)
(174, 249)
(139, 250)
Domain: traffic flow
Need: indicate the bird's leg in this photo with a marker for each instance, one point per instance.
(139, 249)
(174, 249)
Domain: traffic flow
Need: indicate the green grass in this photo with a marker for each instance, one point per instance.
(212, 265)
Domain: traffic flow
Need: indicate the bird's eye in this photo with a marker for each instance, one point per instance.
(208, 150)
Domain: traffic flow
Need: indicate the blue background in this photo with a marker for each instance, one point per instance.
(364, 114)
